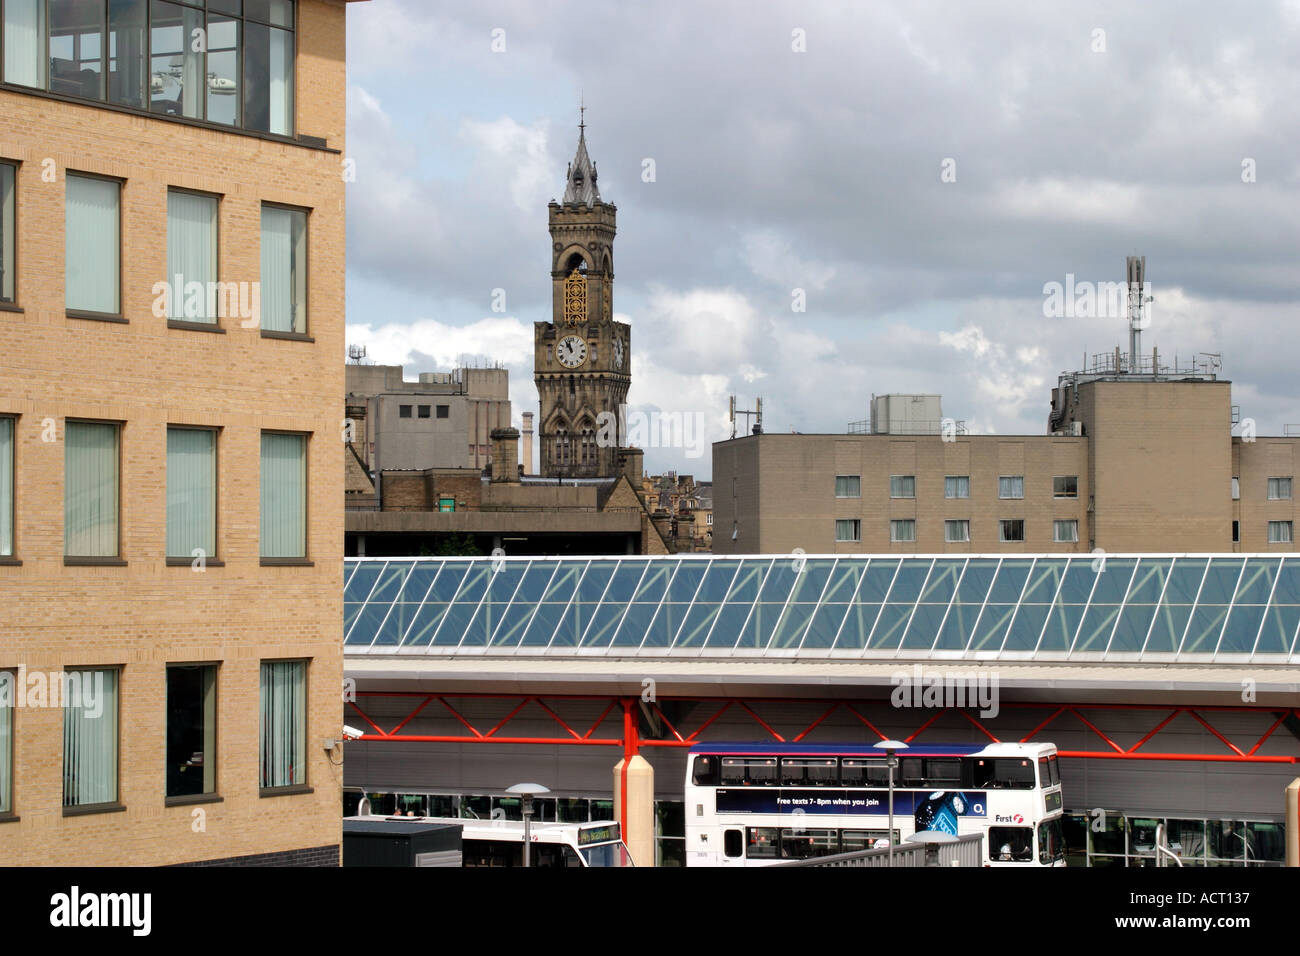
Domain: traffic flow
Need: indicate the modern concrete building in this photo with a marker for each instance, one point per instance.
(170, 533)
(1134, 460)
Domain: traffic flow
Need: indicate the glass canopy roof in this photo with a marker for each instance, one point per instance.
(1194, 608)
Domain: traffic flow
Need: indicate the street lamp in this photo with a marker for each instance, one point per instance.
(932, 840)
(891, 748)
(527, 791)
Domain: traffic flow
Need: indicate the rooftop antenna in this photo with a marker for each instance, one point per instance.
(356, 353)
(756, 413)
(1137, 270)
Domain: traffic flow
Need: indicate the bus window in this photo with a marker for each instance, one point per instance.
(943, 773)
(704, 773)
(762, 843)
(804, 844)
(863, 772)
(913, 775)
(853, 840)
(808, 772)
(555, 856)
(410, 804)
(1004, 773)
(749, 771)
(1051, 842)
(733, 844)
(1055, 768)
(606, 854)
(1011, 844)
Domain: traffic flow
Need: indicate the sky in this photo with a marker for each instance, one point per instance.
(822, 201)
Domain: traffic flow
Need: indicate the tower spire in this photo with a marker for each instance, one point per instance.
(580, 180)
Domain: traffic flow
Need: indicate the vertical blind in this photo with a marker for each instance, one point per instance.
(24, 30)
(284, 270)
(191, 492)
(192, 255)
(284, 496)
(284, 723)
(6, 486)
(92, 244)
(90, 489)
(7, 287)
(89, 738)
(8, 688)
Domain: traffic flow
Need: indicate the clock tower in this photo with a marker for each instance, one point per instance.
(581, 360)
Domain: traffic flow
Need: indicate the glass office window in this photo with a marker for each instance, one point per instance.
(956, 486)
(6, 486)
(284, 495)
(284, 270)
(1011, 486)
(1065, 486)
(848, 486)
(1279, 532)
(8, 234)
(1279, 488)
(904, 530)
(192, 256)
(8, 688)
(848, 530)
(191, 729)
(954, 531)
(90, 744)
(191, 492)
(268, 71)
(90, 489)
(92, 253)
(128, 74)
(1012, 529)
(902, 486)
(1067, 531)
(24, 42)
(283, 724)
(77, 47)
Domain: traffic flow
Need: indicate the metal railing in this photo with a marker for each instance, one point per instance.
(968, 850)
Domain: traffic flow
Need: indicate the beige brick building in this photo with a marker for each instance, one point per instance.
(174, 493)
(1132, 463)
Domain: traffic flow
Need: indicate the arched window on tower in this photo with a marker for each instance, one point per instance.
(588, 443)
(561, 446)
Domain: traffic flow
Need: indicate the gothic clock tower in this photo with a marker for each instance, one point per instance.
(581, 360)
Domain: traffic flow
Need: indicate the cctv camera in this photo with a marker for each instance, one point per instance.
(351, 733)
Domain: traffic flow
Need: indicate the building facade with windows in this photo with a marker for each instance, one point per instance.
(1131, 462)
(172, 240)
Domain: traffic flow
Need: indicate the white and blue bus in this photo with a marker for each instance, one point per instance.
(755, 804)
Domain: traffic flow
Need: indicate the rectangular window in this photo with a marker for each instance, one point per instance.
(424, 411)
(848, 486)
(1012, 530)
(178, 75)
(956, 486)
(77, 48)
(191, 729)
(284, 270)
(6, 487)
(1065, 486)
(24, 33)
(903, 530)
(1011, 486)
(8, 233)
(8, 688)
(446, 504)
(1236, 489)
(191, 492)
(1066, 531)
(90, 743)
(268, 67)
(284, 495)
(902, 486)
(128, 80)
(192, 256)
(956, 531)
(848, 529)
(403, 411)
(1279, 532)
(1236, 531)
(444, 411)
(284, 724)
(1279, 488)
(92, 245)
(90, 489)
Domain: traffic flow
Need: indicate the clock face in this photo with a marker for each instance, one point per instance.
(618, 353)
(572, 351)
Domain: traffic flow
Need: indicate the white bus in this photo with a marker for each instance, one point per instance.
(501, 842)
(751, 804)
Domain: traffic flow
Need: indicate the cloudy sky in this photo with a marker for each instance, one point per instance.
(921, 171)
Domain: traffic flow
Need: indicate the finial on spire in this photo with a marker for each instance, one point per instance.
(582, 115)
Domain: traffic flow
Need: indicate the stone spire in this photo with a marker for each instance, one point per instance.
(580, 180)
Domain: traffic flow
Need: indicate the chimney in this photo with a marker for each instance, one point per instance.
(630, 463)
(505, 455)
(528, 442)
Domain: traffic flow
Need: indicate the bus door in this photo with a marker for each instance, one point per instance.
(733, 847)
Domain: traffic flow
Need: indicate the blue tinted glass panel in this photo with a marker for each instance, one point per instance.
(686, 581)
(844, 580)
(1185, 581)
(564, 582)
(991, 629)
(1112, 584)
(390, 582)
(924, 627)
(503, 583)
(908, 583)
(474, 585)
(822, 628)
(1242, 629)
(1025, 627)
(1220, 581)
(1149, 581)
(635, 625)
(1010, 580)
(942, 582)
(1131, 630)
(426, 622)
(889, 628)
(1081, 577)
(395, 625)
(654, 584)
(727, 630)
(718, 581)
(958, 628)
(1094, 634)
(573, 624)
(744, 587)
(1044, 581)
(543, 625)
(591, 588)
(859, 621)
(1170, 622)
(1288, 583)
(624, 583)
(350, 611)
(975, 583)
(349, 569)
(533, 586)
(1279, 629)
(792, 625)
(765, 619)
(454, 624)
(603, 624)
(696, 627)
(362, 581)
(447, 583)
(875, 583)
(1257, 581)
(1062, 624)
(367, 625)
(1203, 631)
(510, 630)
(480, 628)
(812, 580)
(780, 579)
(418, 580)
(663, 627)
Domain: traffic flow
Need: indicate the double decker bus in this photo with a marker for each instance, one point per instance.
(755, 804)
